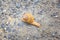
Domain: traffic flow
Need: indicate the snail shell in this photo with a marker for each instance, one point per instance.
(28, 17)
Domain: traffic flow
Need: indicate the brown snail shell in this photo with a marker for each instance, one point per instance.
(28, 17)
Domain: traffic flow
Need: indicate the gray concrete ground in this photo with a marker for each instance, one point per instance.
(46, 12)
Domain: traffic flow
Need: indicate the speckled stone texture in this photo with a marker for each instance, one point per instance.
(45, 12)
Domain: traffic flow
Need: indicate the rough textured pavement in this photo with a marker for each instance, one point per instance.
(45, 12)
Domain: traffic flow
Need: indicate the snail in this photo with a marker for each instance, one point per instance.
(28, 17)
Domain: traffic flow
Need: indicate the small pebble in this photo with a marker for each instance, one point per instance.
(27, 38)
(8, 29)
(54, 15)
(17, 5)
(13, 30)
(1, 9)
(11, 36)
(54, 34)
(34, 0)
(4, 10)
(13, 10)
(2, 25)
(20, 24)
(58, 5)
(0, 3)
(5, 36)
(40, 12)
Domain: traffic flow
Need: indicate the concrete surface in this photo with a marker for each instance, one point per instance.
(46, 12)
